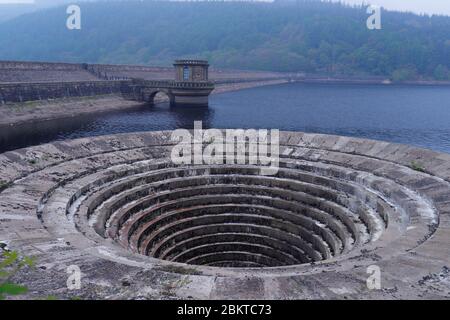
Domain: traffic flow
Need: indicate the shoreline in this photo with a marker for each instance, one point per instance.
(385, 82)
(45, 110)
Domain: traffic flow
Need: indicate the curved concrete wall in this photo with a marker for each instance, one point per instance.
(121, 210)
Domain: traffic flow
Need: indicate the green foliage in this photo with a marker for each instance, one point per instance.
(417, 166)
(3, 184)
(11, 263)
(302, 36)
(404, 74)
(11, 289)
(441, 73)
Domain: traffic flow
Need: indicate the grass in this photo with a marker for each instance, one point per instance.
(10, 264)
(417, 166)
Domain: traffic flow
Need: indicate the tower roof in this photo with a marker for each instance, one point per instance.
(191, 62)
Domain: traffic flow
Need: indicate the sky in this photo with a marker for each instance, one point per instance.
(417, 6)
(16, 1)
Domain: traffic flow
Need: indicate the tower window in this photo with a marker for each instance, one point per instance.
(185, 73)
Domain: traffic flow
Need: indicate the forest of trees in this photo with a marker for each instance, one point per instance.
(295, 36)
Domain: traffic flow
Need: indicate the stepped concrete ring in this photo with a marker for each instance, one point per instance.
(339, 211)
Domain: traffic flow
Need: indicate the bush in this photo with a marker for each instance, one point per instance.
(11, 263)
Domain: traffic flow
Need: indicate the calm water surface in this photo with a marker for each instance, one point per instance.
(405, 114)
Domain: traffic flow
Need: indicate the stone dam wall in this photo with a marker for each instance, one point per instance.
(33, 81)
(15, 71)
(22, 71)
(22, 92)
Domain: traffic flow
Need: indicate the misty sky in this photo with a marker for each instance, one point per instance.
(17, 1)
(418, 6)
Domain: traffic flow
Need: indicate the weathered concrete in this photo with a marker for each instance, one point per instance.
(118, 208)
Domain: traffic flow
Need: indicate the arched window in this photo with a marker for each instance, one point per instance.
(185, 73)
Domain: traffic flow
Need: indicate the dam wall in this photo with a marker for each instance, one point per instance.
(19, 92)
(20, 71)
(123, 72)
(22, 81)
(24, 71)
(22, 92)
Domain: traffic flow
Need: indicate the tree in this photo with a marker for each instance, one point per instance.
(441, 73)
(404, 74)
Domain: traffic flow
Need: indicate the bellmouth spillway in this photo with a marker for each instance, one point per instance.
(117, 207)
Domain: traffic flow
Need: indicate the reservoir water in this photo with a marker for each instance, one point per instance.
(414, 115)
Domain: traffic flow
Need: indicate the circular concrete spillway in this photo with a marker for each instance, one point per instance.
(231, 216)
(119, 208)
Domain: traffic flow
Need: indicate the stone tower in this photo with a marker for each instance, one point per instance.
(191, 70)
(191, 86)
